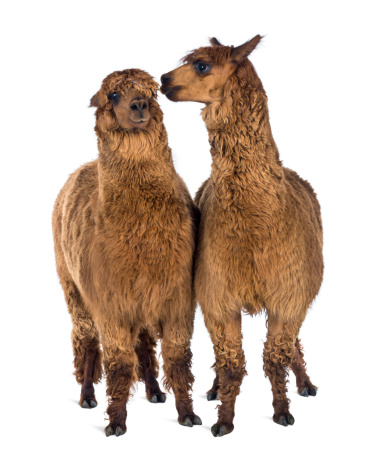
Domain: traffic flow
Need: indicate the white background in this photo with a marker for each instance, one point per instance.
(318, 66)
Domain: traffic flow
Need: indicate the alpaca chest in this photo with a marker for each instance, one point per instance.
(152, 260)
(227, 260)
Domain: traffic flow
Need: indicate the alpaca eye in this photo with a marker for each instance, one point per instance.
(202, 67)
(114, 97)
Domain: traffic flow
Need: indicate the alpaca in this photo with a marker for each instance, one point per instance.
(260, 236)
(124, 233)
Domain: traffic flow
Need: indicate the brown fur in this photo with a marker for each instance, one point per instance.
(260, 239)
(124, 233)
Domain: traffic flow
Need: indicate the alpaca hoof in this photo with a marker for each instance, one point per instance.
(220, 430)
(160, 397)
(308, 391)
(190, 421)
(197, 421)
(312, 391)
(187, 422)
(90, 403)
(211, 395)
(118, 431)
(284, 420)
(290, 419)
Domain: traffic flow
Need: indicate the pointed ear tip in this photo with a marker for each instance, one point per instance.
(214, 41)
(258, 38)
(94, 101)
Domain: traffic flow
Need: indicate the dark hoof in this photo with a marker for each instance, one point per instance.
(155, 398)
(304, 393)
(190, 421)
(211, 395)
(90, 403)
(290, 419)
(308, 391)
(118, 431)
(220, 430)
(284, 420)
(187, 422)
(197, 421)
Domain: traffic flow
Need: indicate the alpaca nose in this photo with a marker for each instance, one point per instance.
(165, 79)
(139, 105)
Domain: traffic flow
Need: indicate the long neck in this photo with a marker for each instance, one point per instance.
(135, 171)
(246, 171)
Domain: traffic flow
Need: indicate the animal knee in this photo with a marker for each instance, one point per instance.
(279, 349)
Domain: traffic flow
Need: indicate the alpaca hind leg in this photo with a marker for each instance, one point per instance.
(230, 365)
(120, 364)
(85, 344)
(212, 394)
(177, 358)
(148, 370)
(278, 355)
(298, 366)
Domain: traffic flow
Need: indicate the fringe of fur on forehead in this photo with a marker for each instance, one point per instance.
(124, 80)
(218, 55)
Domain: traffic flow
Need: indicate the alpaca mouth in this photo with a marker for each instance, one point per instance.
(140, 123)
(170, 92)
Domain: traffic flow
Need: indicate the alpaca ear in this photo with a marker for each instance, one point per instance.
(95, 100)
(214, 42)
(241, 52)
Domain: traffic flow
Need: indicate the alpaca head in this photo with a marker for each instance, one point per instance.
(206, 71)
(126, 101)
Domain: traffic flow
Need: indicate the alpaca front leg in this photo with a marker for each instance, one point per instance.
(148, 370)
(298, 366)
(120, 361)
(230, 367)
(278, 355)
(177, 358)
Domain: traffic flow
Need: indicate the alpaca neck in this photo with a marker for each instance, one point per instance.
(246, 171)
(135, 170)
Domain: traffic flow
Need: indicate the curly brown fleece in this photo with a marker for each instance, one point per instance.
(260, 238)
(124, 232)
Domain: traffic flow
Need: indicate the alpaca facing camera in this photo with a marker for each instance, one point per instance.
(124, 231)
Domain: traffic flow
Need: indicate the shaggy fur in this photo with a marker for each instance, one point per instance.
(260, 239)
(124, 231)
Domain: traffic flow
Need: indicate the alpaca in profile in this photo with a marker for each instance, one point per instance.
(260, 236)
(124, 232)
